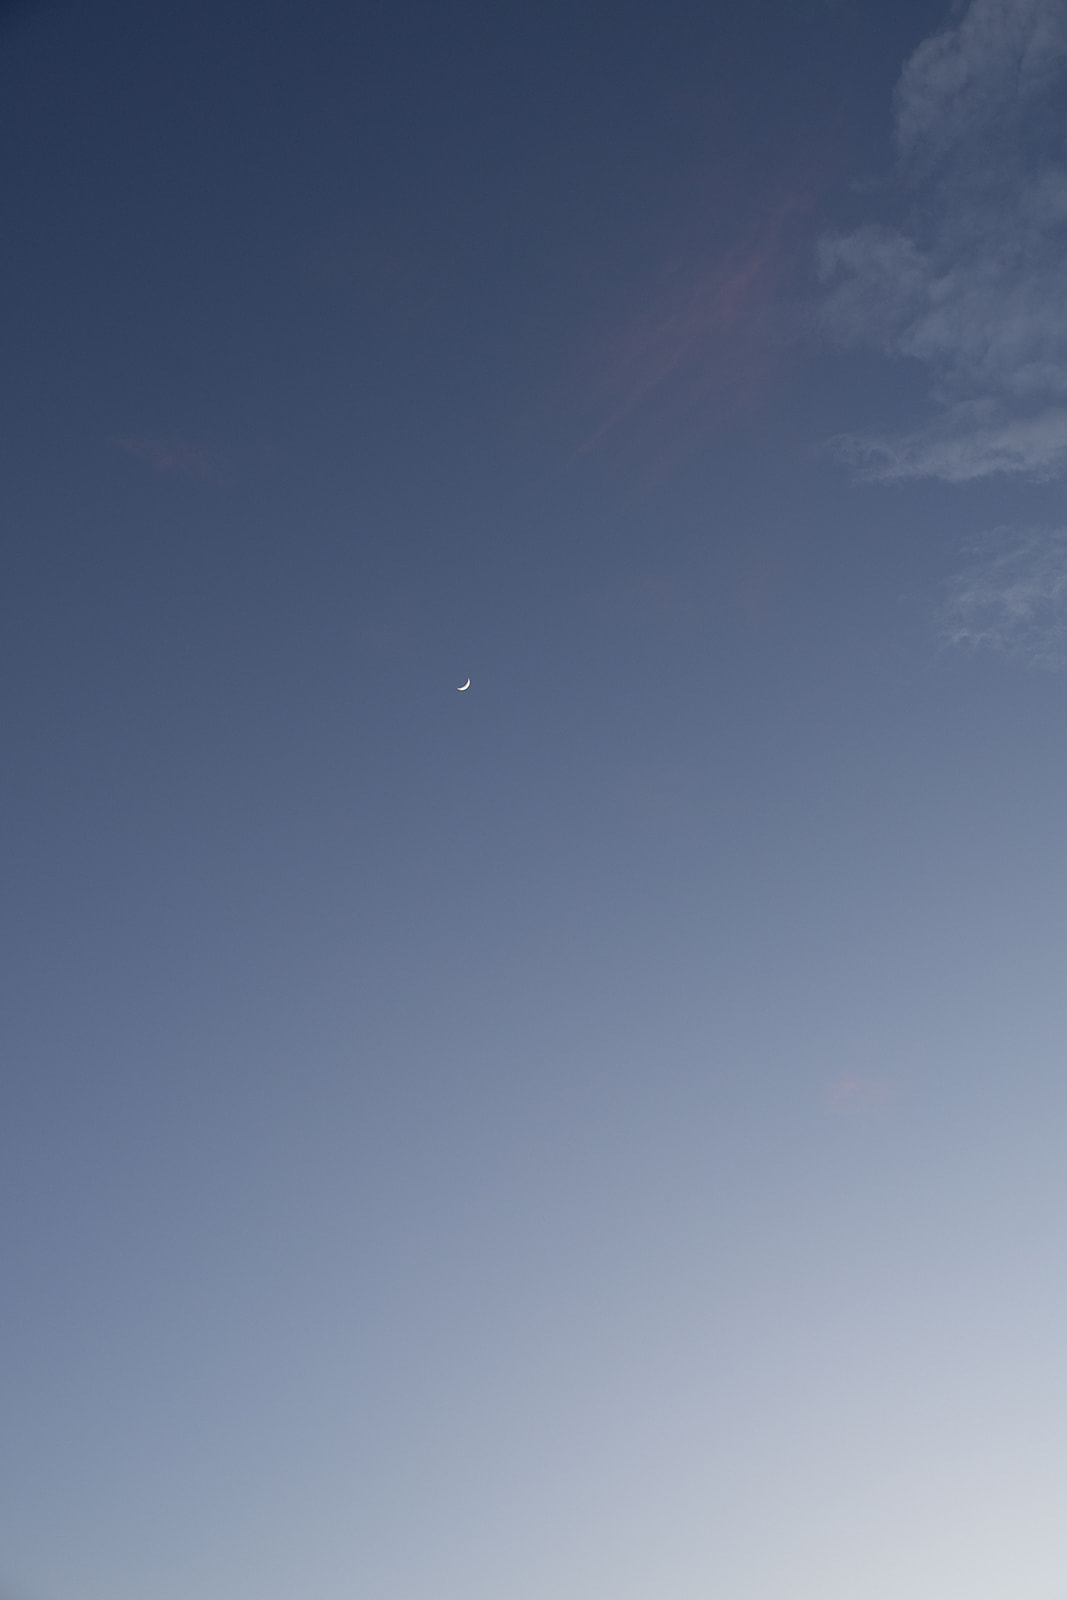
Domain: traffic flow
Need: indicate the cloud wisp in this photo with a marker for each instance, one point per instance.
(858, 1096)
(172, 455)
(974, 284)
(1012, 597)
(704, 351)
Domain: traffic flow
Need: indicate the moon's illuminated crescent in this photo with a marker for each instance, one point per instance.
(463, 686)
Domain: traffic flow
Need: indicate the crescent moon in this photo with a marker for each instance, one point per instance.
(463, 686)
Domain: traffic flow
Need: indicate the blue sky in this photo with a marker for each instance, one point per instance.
(599, 1134)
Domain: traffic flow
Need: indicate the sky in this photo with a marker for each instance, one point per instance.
(598, 1134)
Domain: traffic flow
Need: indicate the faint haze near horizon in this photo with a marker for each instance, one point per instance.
(600, 1133)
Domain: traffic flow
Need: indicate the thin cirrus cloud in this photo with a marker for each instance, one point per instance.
(172, 455)
(1012, 597)
(858, 1096)
(974, 284)
(706, 349)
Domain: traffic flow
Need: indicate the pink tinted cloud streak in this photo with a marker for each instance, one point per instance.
(706, 351)
(853, 1096)
(174, 455)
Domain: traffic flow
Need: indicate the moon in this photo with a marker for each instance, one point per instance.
(463, 686)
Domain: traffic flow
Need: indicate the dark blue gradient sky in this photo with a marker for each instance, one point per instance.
(599, 1135)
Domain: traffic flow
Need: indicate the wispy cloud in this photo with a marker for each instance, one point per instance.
(704, 348)
(974, 284)
(172, 455)
(856, 1096)
(1012, 597)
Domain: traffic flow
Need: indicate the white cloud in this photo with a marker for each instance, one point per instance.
(1003, 55)
(969, 441)
(974, 285)
(1013, 597)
